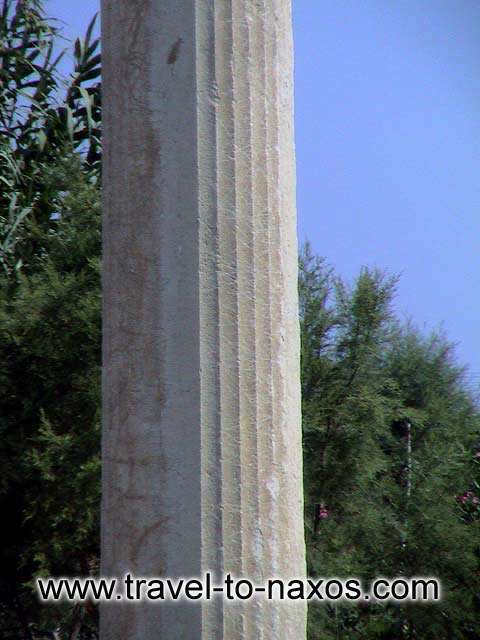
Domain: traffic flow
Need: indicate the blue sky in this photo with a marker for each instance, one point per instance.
(388, 147)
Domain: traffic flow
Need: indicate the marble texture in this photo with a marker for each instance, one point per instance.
(202, 466)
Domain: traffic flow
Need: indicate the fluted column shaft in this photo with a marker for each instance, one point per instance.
(202, 445)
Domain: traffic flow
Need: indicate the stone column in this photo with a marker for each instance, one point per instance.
(202, 466)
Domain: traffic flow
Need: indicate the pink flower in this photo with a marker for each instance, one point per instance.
(468, 496)
(323, 513)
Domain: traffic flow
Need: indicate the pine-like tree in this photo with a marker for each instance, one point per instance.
(390, 437)
(49, 408)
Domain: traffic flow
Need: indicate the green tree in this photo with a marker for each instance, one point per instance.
(49, 408)
(345, 410)
(390, 435)
(436, 539)
(42, 118)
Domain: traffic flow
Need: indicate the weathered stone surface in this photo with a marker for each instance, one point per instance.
(202, 449)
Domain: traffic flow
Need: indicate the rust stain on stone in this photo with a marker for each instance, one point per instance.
(142, 538)
(174, 51)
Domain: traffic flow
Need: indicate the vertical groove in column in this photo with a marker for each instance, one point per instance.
(260, 100)
(223, 97)
(272, 484)
(276, 293)
(210, 424)
(251, 553)
(286, 361)
(263, 274)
